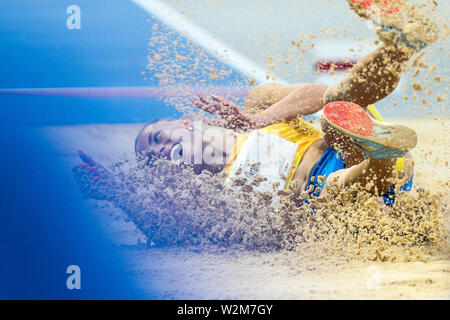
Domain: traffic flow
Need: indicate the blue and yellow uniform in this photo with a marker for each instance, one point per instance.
(303, 135)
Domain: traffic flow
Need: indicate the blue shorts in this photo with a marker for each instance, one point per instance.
(331, 161)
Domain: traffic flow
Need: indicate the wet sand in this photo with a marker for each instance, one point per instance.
(195, 273)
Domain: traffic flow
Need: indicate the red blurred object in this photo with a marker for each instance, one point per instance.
(366, 4)
(326, 66)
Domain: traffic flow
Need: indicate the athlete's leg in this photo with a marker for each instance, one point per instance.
(404, 31)
(379, 144)
(374, 77)
(371, 79)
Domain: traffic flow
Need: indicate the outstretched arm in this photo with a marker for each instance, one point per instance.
(93, 179)
(302, 100)
(96, 182)
(370, 80)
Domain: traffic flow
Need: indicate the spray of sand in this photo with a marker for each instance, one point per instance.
(174, 206)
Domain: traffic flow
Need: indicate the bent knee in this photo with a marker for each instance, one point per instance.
(331, 95)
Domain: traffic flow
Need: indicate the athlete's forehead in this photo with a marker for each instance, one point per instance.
(170, 129)
(142, 138)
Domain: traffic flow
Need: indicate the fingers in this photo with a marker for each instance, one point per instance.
(90, 167)
(93, 179)
(219, 106)
(206, 104)
(217, 101)
(232, 116)
(88, 177)
(221, 100)
(230, 108)
(205, 107)
(86, 169)
(86, 159)
(202, 98)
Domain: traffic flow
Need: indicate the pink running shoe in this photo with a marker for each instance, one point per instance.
(375, 139)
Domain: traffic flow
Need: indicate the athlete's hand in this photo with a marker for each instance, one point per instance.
(93, 179)
(232, 117)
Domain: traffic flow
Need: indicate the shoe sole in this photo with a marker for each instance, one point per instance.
(353, 121)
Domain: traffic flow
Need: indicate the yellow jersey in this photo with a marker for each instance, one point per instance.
(296, 135)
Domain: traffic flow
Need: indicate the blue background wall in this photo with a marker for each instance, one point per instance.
(39, 51)
(45, 225)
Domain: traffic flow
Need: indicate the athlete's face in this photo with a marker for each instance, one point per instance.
(170, 139)
(178, 140)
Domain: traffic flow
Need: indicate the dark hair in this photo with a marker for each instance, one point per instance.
(146, 125)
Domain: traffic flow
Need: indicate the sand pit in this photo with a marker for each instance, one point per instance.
(219, 271)
(188, 237)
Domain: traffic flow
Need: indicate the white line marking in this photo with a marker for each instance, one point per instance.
(188, 28)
